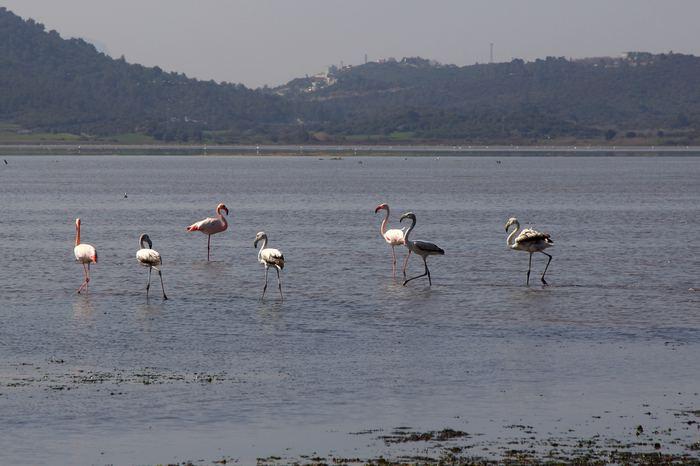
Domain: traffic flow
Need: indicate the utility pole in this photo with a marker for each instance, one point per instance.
(365, 59)
(491, 55)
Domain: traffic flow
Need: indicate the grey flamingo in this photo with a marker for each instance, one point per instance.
(422, 248)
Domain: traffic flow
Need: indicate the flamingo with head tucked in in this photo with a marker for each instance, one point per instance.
(422, 248)
(393, 236)
(212, 225)
(150, 258)
(531, 241)
(86, 254)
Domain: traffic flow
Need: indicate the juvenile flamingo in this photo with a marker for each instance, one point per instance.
(150, 258)
(269, 258)
(393, 236)
(531, 241)
(422, 248)
(212, 225)
(85, 254)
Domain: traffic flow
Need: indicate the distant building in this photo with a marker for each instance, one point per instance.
(321, 80)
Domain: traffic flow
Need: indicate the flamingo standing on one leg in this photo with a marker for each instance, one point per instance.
(269, 257)
(150, 258)
(393, 236)
(531, 241)
(212, 225)
(422, 248)
(85, 254)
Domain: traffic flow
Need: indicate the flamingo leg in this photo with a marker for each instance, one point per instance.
(405, 263)
(148, 285)
(529, 266)
(85, 280)
(208, 246)
(393, 263)
(427, 272)
(279, 283)
(160, 274)
(546, 267)
(264, 287)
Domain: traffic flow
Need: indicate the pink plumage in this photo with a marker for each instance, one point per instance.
(211, 225)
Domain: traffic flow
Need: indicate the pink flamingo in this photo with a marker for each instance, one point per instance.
(211, 225)
(393, 236)
(85, 254)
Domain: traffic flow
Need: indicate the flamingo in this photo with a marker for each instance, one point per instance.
(85, 254)
(531, 241)
(422, 248)
(269, 258)
(150, 258)
(394, 237)
(211, 225)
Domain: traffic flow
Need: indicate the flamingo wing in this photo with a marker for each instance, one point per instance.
(85, 253)
(272, 257)
(529, 235)
(394, 236)
(208, 226)
(149, 257)
(429, 248)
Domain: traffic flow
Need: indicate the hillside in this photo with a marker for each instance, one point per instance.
(66, 87)
(51, 84)
(639, 97)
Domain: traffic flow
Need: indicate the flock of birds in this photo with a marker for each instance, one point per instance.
(86, 254)
(527, 240)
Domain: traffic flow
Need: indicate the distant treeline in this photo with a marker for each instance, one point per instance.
(54, 85)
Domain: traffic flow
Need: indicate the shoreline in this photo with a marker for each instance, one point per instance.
(647, 434)
(340, 150)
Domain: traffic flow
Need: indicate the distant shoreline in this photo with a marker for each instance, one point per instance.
(335, 150)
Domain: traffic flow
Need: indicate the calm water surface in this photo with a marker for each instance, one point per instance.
(113, 378)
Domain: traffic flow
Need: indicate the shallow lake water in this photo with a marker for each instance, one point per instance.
(111, 378)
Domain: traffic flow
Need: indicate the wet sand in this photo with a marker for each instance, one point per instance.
(652, 436)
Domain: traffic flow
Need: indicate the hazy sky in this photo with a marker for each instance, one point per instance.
(260, 42)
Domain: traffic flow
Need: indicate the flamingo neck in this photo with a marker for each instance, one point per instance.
(511, 237)
(221, 217)
(262, 246)
(410, 229)
(382, 228)
(143, 243)
(77, 235)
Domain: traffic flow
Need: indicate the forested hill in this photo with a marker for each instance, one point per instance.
(52, 85)
(639, 96)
